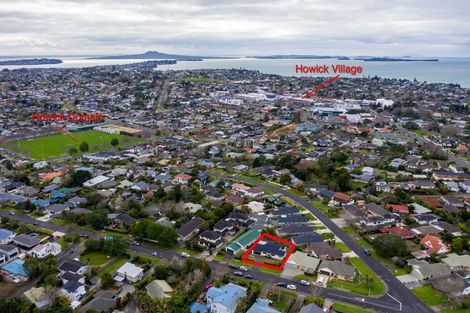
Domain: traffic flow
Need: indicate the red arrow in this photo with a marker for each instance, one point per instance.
(68, 134)
(311, 92)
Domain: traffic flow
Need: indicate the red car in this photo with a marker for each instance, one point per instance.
(208, 286)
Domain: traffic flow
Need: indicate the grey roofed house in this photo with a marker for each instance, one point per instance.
(311, 308)
(450, 208)
(339, 268)
(121, 218)
(80, 211)
(71, 266)
(425, 218)
(451, 200)
(188, 228)
(454, 230)
(286, 210)
(9, 251)
(102, 302)
(69, 276)
(72, 285)
(427, 271)
(49, 188)
(293, 219)
(26, 241)
(6, 197)
(57, 208)
(322, 250)
(307, 238)
(353, 211)
(76, 201)
(290, 230)
(376, 209)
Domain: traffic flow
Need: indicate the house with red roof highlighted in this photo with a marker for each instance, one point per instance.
(433, 245)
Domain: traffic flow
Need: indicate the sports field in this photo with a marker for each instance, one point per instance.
(54, 146)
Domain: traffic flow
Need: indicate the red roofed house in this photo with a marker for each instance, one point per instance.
(403, 232)
(433, 245)
(400, 208)
(254, 192)
(182, 178)
(434, 202)
(340, 198)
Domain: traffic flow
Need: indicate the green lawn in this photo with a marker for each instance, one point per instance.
(270, 271)
(348, 308)
(54, 146)
(430, 296)
(341, 246)
(239, 263)
(95, 258)
(114, 265)
(359, 285)
(457, 310)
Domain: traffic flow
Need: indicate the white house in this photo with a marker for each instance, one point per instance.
(96, 181)
(6, 236)
(74, 290)
(43, 250)
(40, 164)
(129, 272)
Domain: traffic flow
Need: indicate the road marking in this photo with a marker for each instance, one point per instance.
(395, 300)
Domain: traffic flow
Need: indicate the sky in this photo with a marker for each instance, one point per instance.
(236, 28)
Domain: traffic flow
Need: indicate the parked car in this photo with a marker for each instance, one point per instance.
(248, 276)
(281, 284)
(366, 251)
(238, 273)
(243, 268)
(135, 243)
(293, 287)
(233, 266)
(304, 282)
(154, 253)
(184, 254)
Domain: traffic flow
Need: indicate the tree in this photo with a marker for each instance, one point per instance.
(114, 142)
(116, 246)
(79, 177)
(72, 151)
(107, 281)
(84, 147)
(96, 219)
(390, 246)
(457, 245)
(285, 179)
(15, 305)
(342, 178)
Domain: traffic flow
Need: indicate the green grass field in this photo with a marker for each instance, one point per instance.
(348, 308)
(430, 296)
(55, 146)
(94, 258)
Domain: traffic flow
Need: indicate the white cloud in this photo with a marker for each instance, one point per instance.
(230, 27)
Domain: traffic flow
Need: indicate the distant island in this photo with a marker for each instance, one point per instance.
(397, 60)
(299, 56)
(31, 61)
(155, 55)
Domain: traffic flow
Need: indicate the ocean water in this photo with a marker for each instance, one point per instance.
(447, 70)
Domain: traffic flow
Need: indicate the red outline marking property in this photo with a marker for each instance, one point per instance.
(329, 81)
(67, 133)
(283, 241)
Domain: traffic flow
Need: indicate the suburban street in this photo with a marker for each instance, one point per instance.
(396, 290)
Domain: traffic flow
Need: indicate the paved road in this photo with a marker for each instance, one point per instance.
(30, 220)
(459, 161)
(396, 290)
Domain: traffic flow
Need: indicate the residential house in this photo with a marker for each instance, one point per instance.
(26, 242)
(303, 262)
(307, 238)
(189, 228)
(224, 227)
(182, 179)
(457, 262)
(211, 239)
(292, 230)
(398, 208)
(129, 272)
(73, 266)
(9, 252)
(120, 219)
(243, 241)
(6, 236)
(159, 289)
(254, 192)
(426, 219)
(377, 222)
(323, 251)
(428, 271)
(239, 219)
(403, 232)
(73, 290)
(270, 250)
(311, 308)
(337, 269)
(262, 306)
(224, 299)
(43, 250)
(433, 244)
(340, 198)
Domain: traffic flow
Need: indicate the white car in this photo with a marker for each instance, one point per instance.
(304, 282)
(154, 253)
(185, 255)
(293, 287)
(243, 268)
